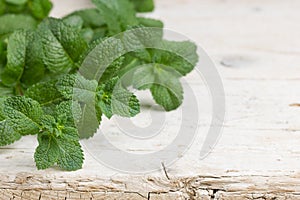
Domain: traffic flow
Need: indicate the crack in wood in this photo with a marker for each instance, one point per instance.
(165, 170)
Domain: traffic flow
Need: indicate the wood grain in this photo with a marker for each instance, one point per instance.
(256, 46)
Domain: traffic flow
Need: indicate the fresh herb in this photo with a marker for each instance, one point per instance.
(42, 91)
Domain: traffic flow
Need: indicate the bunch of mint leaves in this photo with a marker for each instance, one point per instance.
(40, 58)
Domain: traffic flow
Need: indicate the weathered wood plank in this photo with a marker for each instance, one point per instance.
(226, 187)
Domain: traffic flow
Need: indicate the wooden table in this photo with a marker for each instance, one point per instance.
(256, 47)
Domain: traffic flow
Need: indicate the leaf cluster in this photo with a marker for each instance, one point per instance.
(42, 92)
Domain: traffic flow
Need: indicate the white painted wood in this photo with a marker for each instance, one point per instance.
(256, 47)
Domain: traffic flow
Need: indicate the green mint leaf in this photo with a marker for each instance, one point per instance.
(77, 88)
(104, 92)
(3, 48)
(167, 90)
(8, 134)
(163, 81)
(99, 33)
(2, 7)
(91, 17)
(61, 45)
(140, 37)
(24, 112)
(124, 103)
(69, 113)
(45, 93)
(186, 56)
(112, 70)
(143, 5)
(181, 56)
(34, 70)
(89, 120)
(118, 15)
(2, 115)
(113, 98)
(87, 34)
(16, 2)
(47, 153)
(143, 77)
(74, 21)
(65, 86)
(11, 22)
(49, 124)
(24, 59)
(71, 158)
(169, 99)
(40, 9)
(16, 52)
(147, 22)
(64, 149)
(99, 56)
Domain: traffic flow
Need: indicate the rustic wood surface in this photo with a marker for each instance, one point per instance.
(256, 47)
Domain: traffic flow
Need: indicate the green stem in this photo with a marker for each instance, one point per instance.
(19, 89)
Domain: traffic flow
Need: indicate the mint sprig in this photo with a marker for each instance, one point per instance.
(42, 91)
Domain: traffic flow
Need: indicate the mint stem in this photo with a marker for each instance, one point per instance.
(19, 90)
